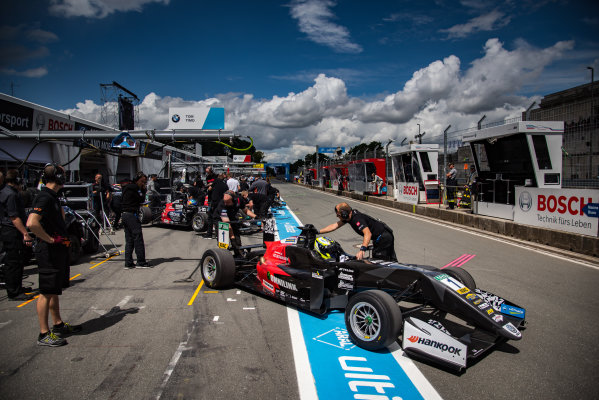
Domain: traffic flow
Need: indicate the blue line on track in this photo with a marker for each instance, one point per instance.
(342, 370)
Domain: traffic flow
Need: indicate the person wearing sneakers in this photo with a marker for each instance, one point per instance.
(46, 222)
(133, 195)
(14, 236)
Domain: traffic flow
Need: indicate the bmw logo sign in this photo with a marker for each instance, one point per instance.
(525, 201)
(176, 118)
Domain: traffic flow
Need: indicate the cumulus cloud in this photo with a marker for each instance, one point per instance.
(97, 8)
(486, 22)
(437, 95)
(314, 19)
(28, 73)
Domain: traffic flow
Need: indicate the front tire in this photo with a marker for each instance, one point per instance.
(461, 275)
(198, 222)
(218, 268)
(373, 319)
(145, 215)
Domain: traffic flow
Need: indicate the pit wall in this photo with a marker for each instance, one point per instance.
(585, 245)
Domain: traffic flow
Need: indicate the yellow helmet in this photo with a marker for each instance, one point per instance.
(327, 248)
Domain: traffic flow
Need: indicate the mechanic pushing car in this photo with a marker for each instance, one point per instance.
(369, 228)
(226, 211)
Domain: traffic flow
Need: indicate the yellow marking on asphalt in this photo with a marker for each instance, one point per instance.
(75, 277)
(28, 301)
(195, 293)
(210, 291)
(102, 262)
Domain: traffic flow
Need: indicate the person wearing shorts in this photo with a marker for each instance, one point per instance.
(46, 222)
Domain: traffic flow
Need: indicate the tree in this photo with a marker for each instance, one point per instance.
(365, 147)
(258, 157)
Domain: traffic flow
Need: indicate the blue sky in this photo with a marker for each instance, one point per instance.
(296, 73)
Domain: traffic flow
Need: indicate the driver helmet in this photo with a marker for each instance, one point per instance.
(327, 248)
(192, 202)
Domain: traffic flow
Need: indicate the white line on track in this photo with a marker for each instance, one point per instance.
(475, 233)
(175, 359)
(230, 299)
(305, 379)
(3, 324)
(215, 319)
(249, 308)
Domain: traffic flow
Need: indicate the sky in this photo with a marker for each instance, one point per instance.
(299, 73)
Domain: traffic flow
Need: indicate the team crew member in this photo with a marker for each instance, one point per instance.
(46, 221)
(226, 211)
(219, 187)
(369, 228)
(259, 185)
(101, 196)
(133, 195)
(14, 236)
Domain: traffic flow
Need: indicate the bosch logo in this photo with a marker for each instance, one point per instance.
(525, 201)
(176, 118)
(572, 205)
(410, 190)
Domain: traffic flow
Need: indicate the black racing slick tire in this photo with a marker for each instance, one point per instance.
(92, 245)
(218, 268)
(461, 275)
(74, 249)
(198, 222)
(145, 215)
(373, 319)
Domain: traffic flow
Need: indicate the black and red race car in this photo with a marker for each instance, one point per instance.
(440, 314)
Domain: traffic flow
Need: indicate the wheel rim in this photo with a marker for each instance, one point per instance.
(209, 268)
(365, 321)
(198, 222)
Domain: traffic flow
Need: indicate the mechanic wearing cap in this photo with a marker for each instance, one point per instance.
(226, 211)
(14, 236)
(133, 195)
(46, 221)
(369, 228)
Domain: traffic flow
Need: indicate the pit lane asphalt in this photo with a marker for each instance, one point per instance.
(142, 340)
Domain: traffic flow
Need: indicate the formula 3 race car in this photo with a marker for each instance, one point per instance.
(440, 314)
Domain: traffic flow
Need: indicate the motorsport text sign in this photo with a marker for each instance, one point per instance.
(570, 210)
(196, 118)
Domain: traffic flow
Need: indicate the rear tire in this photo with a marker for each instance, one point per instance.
(198, 222)
(74, 249)
(92, 245)
(461, 275)
(373, 319)
(218, 268)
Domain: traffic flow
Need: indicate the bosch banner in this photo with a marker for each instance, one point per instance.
(570, 210)
(407, 192)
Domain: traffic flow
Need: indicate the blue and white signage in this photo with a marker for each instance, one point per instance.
(332, 150)
(196, 118)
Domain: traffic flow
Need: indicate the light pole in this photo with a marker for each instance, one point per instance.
(590, 176)
(387, 165)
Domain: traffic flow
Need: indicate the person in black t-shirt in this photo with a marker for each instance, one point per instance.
(101, 197)
(46, 222)
(369, 228)
(14, 236)
(133, 195)
(226, 211)
(218, 189)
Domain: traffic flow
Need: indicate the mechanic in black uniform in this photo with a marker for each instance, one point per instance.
(46, 222)
(133, 195)
(370, 228)
(14, 236)
(226, 211)
(101, 197)
(218, 189)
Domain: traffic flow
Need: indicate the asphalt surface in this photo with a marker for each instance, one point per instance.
(142, 340)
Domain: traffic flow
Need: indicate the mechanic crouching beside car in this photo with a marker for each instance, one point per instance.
(226, 211)
(369, 228)
(133, 195)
